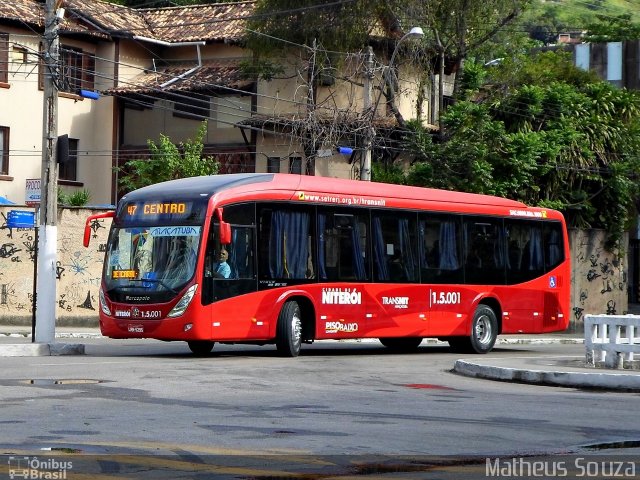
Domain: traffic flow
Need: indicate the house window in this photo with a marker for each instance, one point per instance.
(70, 69)
(76, 72)
(4, 150)
(273, 164)
(68, 164)
(19, 55)
(4, 58)
(295, 165)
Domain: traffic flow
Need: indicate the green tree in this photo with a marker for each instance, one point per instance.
(543, 132)
(612, 29)
(460, 27)
(168, 161)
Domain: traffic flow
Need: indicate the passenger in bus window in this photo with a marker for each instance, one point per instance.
(222, 268)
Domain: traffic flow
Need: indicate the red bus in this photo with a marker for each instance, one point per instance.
(287, 259)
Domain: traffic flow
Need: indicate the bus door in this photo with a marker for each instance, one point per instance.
(343, 267)
(229, 273)
(523, 304)
(555, 287)
(399, 306)
(440, 252)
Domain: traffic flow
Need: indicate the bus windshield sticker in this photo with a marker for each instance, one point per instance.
(526, 213)
(357, 200)
(124, 274)
(186, 231)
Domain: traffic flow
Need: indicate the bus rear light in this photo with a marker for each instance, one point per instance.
(104, 306)
(184, 302)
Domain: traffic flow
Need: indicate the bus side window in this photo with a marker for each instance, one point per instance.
(485, 251)
(394, 247)
(342, 245)
(553, 246)
(439, 247)
(524, 250)
(286, 243)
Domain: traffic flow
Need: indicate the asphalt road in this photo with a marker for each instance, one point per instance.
(335, 406)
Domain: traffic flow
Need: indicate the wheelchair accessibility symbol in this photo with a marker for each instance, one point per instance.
(552, 282)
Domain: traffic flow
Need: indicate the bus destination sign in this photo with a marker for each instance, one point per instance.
(156, 209)
(162, 211)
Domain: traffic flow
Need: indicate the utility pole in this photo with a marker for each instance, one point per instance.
(48, 235)
(365, 166)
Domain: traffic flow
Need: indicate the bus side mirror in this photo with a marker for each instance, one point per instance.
(225, 233)
(87, 225)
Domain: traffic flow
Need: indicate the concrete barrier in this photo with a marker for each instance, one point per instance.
(612, 340)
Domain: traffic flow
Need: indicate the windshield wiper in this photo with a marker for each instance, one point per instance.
(153, 280)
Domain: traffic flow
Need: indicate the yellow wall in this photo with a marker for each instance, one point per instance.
(88, 121)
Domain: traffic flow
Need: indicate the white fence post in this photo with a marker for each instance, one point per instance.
(605, 342)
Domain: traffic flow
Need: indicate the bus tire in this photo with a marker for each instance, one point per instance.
(484, 331)
(289, 330)
(200, 348)
(402, 344)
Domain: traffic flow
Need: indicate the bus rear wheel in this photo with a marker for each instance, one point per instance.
(484, 332)
(401, 344)
(200, 348)
(289, 330)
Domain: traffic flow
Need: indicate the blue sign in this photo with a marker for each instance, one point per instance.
(552, 281)
(21, 219)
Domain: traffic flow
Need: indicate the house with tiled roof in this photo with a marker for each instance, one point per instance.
(164, 71)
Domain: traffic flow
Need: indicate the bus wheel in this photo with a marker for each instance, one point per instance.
(289, 330)
(401, 344)
(484, 331)
(200, 347)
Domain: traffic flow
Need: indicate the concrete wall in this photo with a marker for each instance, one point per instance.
(598, 278)
(79, 268)
(598, 283)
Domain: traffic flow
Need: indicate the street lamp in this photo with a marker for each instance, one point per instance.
(365, 173)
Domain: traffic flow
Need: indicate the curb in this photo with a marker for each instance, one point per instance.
(40, 349)
(608, 381)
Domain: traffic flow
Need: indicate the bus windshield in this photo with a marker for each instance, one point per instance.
(150, 259)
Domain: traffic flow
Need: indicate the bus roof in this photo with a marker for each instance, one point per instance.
(280, 186)
(211, 184)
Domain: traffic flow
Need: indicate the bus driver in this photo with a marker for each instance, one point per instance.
(222, 268)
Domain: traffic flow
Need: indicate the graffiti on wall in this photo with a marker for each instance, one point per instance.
(599, 277)
(78, 269)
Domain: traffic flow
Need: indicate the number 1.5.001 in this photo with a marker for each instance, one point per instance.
(445, 298)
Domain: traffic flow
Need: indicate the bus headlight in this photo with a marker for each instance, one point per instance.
(184, 302)
(104, 306)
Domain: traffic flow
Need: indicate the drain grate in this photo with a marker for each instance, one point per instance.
(64, 381)
(613, 445)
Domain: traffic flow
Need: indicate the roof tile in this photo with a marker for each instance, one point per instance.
(212, 22)
(209, 75)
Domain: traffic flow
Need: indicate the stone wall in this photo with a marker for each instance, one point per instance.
(78, 268)
(598, 283)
